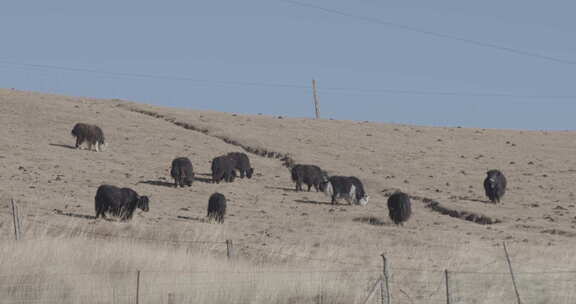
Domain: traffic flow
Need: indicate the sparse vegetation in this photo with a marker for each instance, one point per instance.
(291, 247)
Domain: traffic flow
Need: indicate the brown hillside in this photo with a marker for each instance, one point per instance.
(55, 184)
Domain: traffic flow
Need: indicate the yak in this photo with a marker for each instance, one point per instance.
(361, 196)
(495, 185)
(311, 175)
(217, 207)
(92, 134)
(182, 171)
(347, 187)
(120, 202)
(242, 164)
(399, 208)
(223, 168)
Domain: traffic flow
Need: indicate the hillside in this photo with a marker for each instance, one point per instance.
(55, 184)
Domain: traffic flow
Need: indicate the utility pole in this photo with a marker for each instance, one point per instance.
(316, 101)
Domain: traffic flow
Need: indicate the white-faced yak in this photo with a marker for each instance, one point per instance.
(349, 188)
(495, 185)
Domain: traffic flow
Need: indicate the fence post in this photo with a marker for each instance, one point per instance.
(19, 218)
(512, 273)
(138, 287)
(447, 286)
(385, 281)
(15, 220)
(171, 298)
(316, 101)
(229, 249)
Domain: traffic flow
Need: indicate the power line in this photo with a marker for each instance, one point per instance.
(326, 90)
(443, 93)
(433, 33)
(153, 76)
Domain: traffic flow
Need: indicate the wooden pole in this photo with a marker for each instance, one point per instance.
(19, 221)
(316, 101)
(447, 286)
(385, 282)
(15, 220)
(138, 287)
(229, 249)
(512, 273)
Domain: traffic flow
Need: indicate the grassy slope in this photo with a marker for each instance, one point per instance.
(266, 217)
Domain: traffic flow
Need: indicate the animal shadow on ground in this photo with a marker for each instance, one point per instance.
(203, 180)
(64, 146)
(71, 214)
(157, 183)
(372, 220)
(281, 188)
(312, 202)
(471, 199)
(192, 218)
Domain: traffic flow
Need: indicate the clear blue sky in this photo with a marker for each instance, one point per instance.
(240, 50)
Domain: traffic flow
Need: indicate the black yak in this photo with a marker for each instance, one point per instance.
(121, 202)
(217, 207)
(310, 175)
(347, 187)
(182, 171)
(242, 164)
(223, 169)
(495, 185)
(399, 208)
(92, 134)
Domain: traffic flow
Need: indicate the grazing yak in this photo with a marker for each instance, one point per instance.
(89, 133)
(182, 171)
(223, 168)
(242, 164)
(310, 175)
(399, 208)
(495, 185)
(347, 187)
(217, 207)
(121, 202)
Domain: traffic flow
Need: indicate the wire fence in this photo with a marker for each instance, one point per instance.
(333, 280)
(290, 286)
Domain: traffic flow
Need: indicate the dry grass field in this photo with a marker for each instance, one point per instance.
(290, 247)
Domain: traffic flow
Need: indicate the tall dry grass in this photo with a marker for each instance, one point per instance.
(77, 267)
(79, 263)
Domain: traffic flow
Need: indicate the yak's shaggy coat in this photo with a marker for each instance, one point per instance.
(217, 207)
(399, 207)
(242, 164)
(347, 187)
(121, 202)
(495, 185)
(223, 168)
(310, 175)
(91, 134)
(182, 171)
